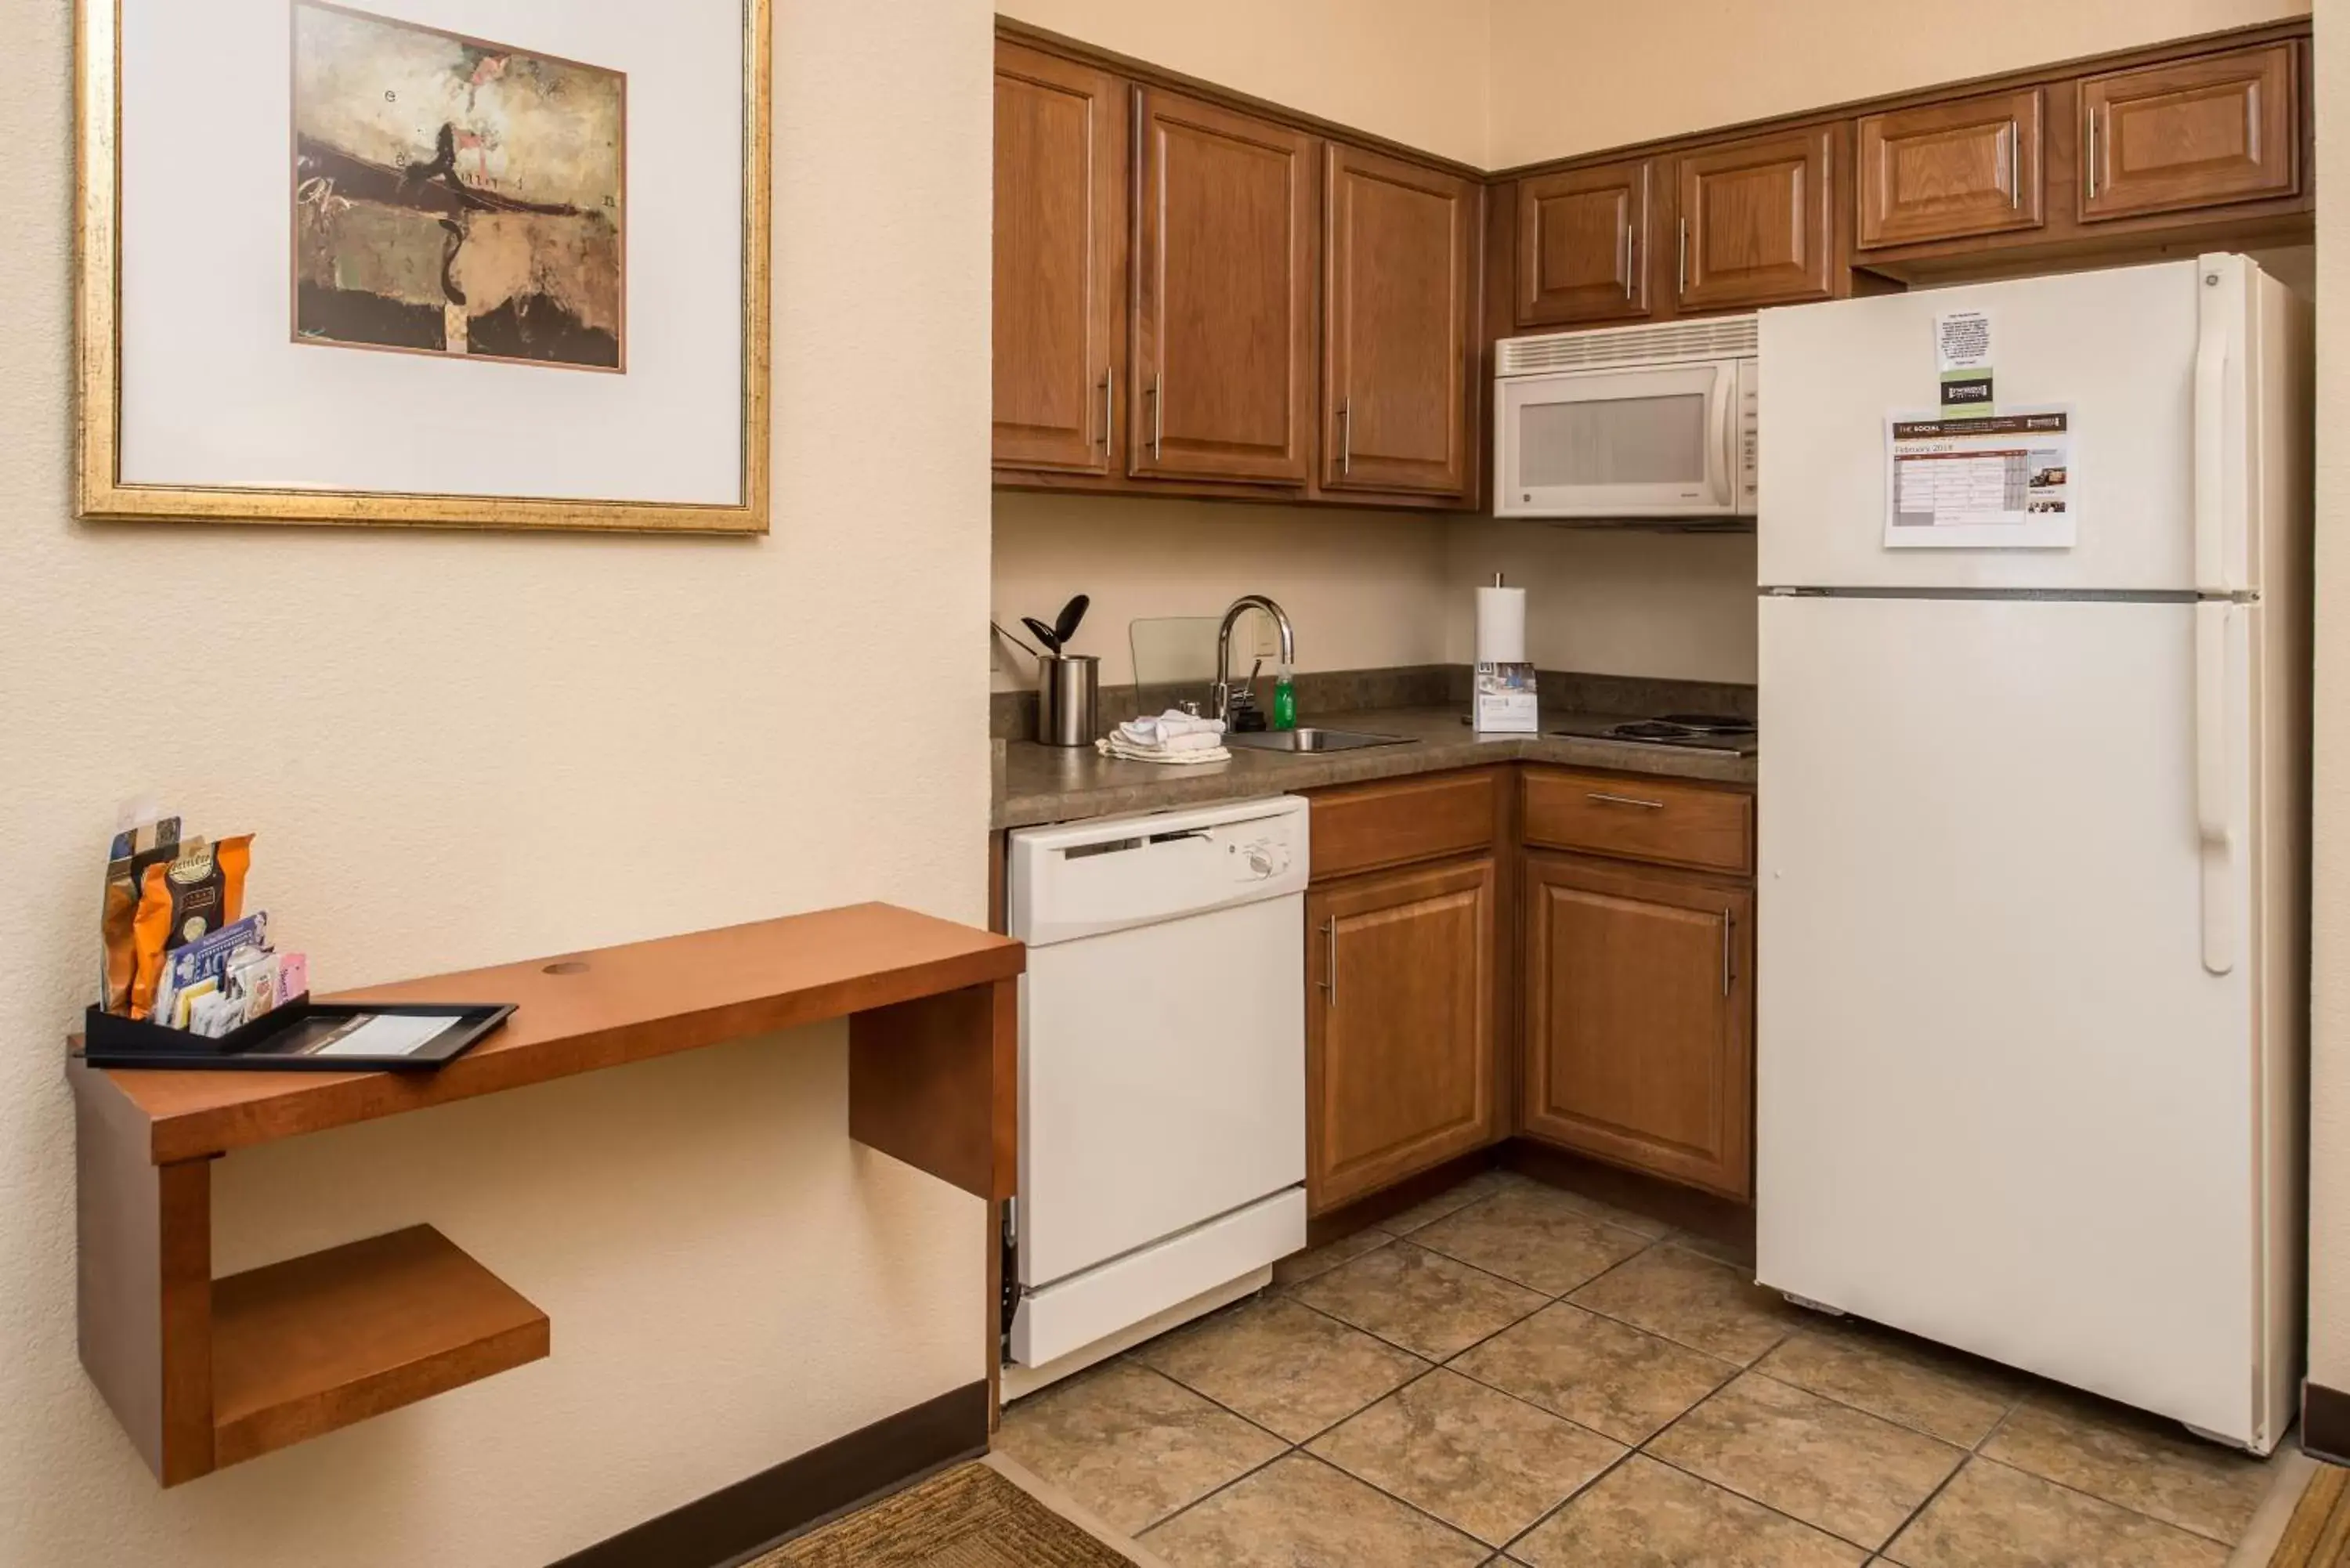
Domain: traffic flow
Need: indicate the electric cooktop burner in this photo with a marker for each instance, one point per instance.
(1708, 723)
(1704, 732)
(1655, 730)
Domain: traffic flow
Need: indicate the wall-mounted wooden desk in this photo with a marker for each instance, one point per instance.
(202, 1373)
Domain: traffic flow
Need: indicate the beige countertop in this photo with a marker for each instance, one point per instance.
(1056, 783)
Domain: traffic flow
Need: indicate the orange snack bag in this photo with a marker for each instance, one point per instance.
(233, 856)
(181, 900)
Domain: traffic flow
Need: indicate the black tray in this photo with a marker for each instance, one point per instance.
(282, 1040)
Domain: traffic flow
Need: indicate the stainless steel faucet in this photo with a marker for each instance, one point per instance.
(1241, 607)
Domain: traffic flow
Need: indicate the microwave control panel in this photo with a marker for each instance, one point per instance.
(1749, 425)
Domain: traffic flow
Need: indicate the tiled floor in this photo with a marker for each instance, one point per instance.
(1513, 1374)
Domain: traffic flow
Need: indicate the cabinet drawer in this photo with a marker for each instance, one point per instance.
(1363, 826)
(1659, 820)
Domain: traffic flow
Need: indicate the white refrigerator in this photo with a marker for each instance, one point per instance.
(2032, 983)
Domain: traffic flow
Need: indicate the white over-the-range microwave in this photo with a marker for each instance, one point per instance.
(1634, 423)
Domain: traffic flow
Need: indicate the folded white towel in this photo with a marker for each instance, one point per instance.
(1195, 743)
(1167, 726)
(1117, 746)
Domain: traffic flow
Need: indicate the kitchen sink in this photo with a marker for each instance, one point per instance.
(1311, 740)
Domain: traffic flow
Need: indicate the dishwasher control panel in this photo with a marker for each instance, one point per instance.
(1090, 878)
(1259, 858)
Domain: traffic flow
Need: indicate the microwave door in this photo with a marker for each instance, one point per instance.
(1656, 442)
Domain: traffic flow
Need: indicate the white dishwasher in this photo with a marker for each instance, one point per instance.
(1162, 1066)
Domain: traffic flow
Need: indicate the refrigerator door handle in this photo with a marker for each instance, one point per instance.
(2211, 345)
(2214, 809)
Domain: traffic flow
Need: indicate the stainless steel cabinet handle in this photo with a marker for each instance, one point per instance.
(1330, 960)
(2093, 155)
(2015, 164)
(1625, 800)
(1625, 250)
(1158, 415)
(1680, 266)
(1729, 920)
(1110, 406)
(1347, 436)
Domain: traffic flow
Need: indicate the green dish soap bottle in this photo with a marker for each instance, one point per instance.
(1285, 701)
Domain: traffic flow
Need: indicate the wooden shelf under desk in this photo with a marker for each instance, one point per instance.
(316, 1343)
(203, 1373)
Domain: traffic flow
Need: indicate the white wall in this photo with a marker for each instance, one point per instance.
(1577, 77)
(1363, 590)
(461, 749)
(1413, 71)
(2329, 1242)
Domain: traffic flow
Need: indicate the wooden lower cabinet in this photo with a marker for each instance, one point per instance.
(1399, 1034)
(1638, 1044)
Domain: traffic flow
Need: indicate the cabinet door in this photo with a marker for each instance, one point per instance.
(2192, 133)
(1754, 221)
(1640, 1020)
(1398, 1026)
(1944, 170)
(1584, 244)
(1223, 295)
(1398, 317)
(1060, 263)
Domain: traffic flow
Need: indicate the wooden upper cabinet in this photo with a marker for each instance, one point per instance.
(1755, 221)
(1584, 244)
(1945, 170)
(1399, 324)
(1399, 1034)
(1060, 263)
(1640, 1020)
(2193, 133)
(1224, 300)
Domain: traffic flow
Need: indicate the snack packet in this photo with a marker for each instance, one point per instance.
(137, 845)
(202, 889)
(209, 957)
(252, 982)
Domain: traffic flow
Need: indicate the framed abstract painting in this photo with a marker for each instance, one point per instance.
(493, 263)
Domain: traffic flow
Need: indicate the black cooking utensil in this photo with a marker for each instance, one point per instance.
(1014, 641)
(1042, 633)
(1064, 626)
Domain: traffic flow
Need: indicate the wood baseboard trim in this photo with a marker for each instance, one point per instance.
(2325, 1422)
(738, 1523)
(1390, 1201)
(1702, 1213)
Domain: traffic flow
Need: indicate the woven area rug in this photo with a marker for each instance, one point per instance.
(969, 1517)
(2319, 1535)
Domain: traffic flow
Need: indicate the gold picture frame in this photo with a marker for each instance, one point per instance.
(100, 492)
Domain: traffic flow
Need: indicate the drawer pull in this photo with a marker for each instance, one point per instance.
(1625, 800)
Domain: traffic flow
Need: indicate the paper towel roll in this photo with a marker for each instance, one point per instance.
(1501, 625)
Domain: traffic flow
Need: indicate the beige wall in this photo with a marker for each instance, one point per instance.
(1414, 71)
(1363, 590)
(463, 749)
(1372, 589)
(2329, 1248)
(1575, 78)
(1611, 601)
